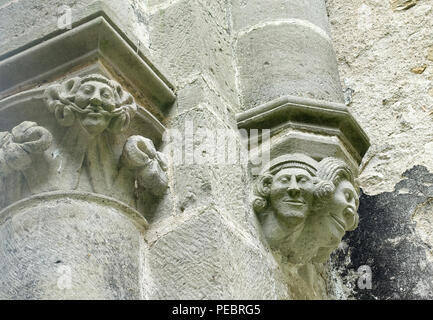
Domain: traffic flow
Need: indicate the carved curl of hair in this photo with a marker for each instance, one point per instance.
(330, 172)
(60, 100)
(262, 189)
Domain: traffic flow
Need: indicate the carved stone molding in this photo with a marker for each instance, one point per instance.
(305, 207)
(94, 45)
(317, 128)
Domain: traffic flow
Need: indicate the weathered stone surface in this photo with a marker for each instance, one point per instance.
(310, 69)
(23, 22)
(70, 246)
(205, 256)
(248, 13)
(393, 240)
(430, 53)
(192, 38)
(376, 49)
(201, 176)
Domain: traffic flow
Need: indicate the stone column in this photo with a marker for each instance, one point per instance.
(80, 170)
(284, 48)
(306, 196)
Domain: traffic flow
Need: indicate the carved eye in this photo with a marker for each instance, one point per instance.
(284, 179)
(348, 195)
(302, 180)
(106, 94)
(88, 89)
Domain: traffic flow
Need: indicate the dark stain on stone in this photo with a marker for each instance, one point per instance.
(386, 241)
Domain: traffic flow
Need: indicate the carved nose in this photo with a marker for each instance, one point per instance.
(293, 188)
(96, 99)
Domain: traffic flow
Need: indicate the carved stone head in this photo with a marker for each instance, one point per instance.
(336, 205)
(286, 187)
(94, 101)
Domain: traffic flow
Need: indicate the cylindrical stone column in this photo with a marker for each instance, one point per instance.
(70, 246)
(283, 47)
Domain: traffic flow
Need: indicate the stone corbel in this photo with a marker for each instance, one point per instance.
(95, 121)
(306, 197)
(305, 207)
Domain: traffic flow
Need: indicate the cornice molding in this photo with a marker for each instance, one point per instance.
(87, 43)
(310, 115)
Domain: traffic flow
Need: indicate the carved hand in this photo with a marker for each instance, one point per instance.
(27, 138)
(139, 154)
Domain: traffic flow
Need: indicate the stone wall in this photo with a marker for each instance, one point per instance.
(384, 50)
(224, 65)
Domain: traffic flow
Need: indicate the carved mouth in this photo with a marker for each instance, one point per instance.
(94, 114)
(339, 223)
(294, 202)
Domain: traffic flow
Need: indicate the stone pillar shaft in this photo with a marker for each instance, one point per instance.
(284, 48)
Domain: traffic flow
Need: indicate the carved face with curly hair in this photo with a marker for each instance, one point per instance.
(95, 101)
(336, 205)
(286, 186)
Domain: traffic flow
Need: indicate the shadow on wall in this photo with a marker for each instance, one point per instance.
(395, 240)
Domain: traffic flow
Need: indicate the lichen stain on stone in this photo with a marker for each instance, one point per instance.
(394, 238)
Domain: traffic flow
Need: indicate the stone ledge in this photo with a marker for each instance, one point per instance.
(331, 119)
(136, 218)
(88, 42)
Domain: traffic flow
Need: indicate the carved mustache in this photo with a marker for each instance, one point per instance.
(91, 108)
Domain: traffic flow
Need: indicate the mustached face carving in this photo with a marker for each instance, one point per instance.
(94, 101)
(97, 100)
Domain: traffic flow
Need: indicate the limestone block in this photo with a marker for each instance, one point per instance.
(206, 257)
(291, 59)
(251, 12)
(199, 91)
(70, 246)
(190, 38)
(209, 163)
(25, 21)
(376, 49)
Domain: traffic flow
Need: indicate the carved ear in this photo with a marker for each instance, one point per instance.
(263, 186)
(259, 204)
(122, 97)
(125, 102)
(57, 98)
(70, 87)
(52, 97)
